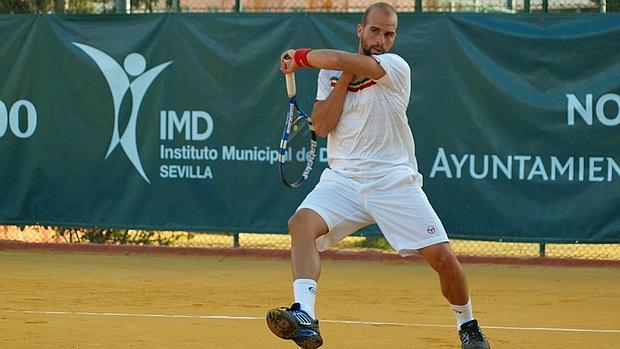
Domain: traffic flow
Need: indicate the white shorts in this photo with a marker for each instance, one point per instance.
(396, 203)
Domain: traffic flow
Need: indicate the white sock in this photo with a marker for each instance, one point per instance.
(463, 313)
(304, 291)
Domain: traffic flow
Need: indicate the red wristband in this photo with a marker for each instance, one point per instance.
(301, 57)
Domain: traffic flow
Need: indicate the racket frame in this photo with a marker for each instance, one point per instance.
(290, 121)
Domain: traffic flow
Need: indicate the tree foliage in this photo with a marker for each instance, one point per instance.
(149, 6)
(51, 6)
(80, 6)
(26, 6)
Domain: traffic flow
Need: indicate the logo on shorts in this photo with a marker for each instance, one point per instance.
(118, 78)
(312, 290)
(431, 230)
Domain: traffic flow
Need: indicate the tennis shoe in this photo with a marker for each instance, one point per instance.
(295, 324)
(472, 337)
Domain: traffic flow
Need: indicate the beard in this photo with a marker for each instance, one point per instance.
(368, 49)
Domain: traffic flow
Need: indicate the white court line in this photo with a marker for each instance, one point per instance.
(347, 322)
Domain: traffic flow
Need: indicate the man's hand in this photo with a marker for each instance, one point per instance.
(287, 62)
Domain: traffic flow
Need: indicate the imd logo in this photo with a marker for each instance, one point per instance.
(118, 79)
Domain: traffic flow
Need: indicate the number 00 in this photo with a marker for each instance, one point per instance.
(11, 118)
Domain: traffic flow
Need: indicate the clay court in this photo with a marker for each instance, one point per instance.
(118, 300)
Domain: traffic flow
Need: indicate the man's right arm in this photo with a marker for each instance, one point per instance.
(326, 113)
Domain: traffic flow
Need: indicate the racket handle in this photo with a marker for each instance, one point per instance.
(291, 90)
(290, 84)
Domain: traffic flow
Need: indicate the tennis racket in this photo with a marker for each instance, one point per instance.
(298, 144)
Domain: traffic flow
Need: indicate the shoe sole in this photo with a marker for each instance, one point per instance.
(280, 323)
(285, 326)
(481, 346)
(309, 342)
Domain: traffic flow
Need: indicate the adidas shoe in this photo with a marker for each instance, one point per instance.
(295, 324)
(472, 337)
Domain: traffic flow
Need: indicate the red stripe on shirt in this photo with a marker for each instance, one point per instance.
(357, 88)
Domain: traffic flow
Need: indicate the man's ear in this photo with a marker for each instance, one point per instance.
(360, 29)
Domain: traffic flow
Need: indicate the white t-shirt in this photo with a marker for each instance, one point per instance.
(373, 137)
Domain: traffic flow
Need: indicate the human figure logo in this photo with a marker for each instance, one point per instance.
(118, 79)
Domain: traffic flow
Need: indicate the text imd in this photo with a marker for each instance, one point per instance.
(195, 125)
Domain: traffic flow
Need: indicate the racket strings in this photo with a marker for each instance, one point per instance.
(298, 149)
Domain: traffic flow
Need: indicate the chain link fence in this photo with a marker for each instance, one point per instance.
(37, 234)
(152, 6)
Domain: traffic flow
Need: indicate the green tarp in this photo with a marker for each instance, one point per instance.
(173, 121)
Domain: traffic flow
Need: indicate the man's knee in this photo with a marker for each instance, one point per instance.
(295, 225)
(442, 259)
(446, 262)
(306, 223)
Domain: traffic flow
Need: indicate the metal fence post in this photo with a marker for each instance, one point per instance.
(526, 6)
(545, 6)
(236, 239)
(542, 249)
(603, 6)
(123, 6)
(174, 6)
(237, 6)
(418, 5)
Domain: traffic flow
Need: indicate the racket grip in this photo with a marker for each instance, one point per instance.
(290, 84)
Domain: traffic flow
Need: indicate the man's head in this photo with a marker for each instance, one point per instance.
(377, 30)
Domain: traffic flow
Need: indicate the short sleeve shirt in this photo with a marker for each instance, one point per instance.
(373, 136)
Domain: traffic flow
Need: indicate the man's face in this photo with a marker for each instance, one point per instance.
(377, 35)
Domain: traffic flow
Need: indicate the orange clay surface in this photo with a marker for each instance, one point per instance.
(98, 300)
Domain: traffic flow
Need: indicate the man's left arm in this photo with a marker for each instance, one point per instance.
(359, 65)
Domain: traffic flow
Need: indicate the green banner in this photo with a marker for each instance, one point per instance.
(173, 121)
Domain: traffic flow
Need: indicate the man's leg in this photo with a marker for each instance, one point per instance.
(451, 276)
(298, 322)
(334, 205)
(455, 289)
(304, 227)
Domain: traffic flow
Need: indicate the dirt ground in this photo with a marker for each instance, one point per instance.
(96, 300)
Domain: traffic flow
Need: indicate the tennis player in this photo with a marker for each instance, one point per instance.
(372, 176)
